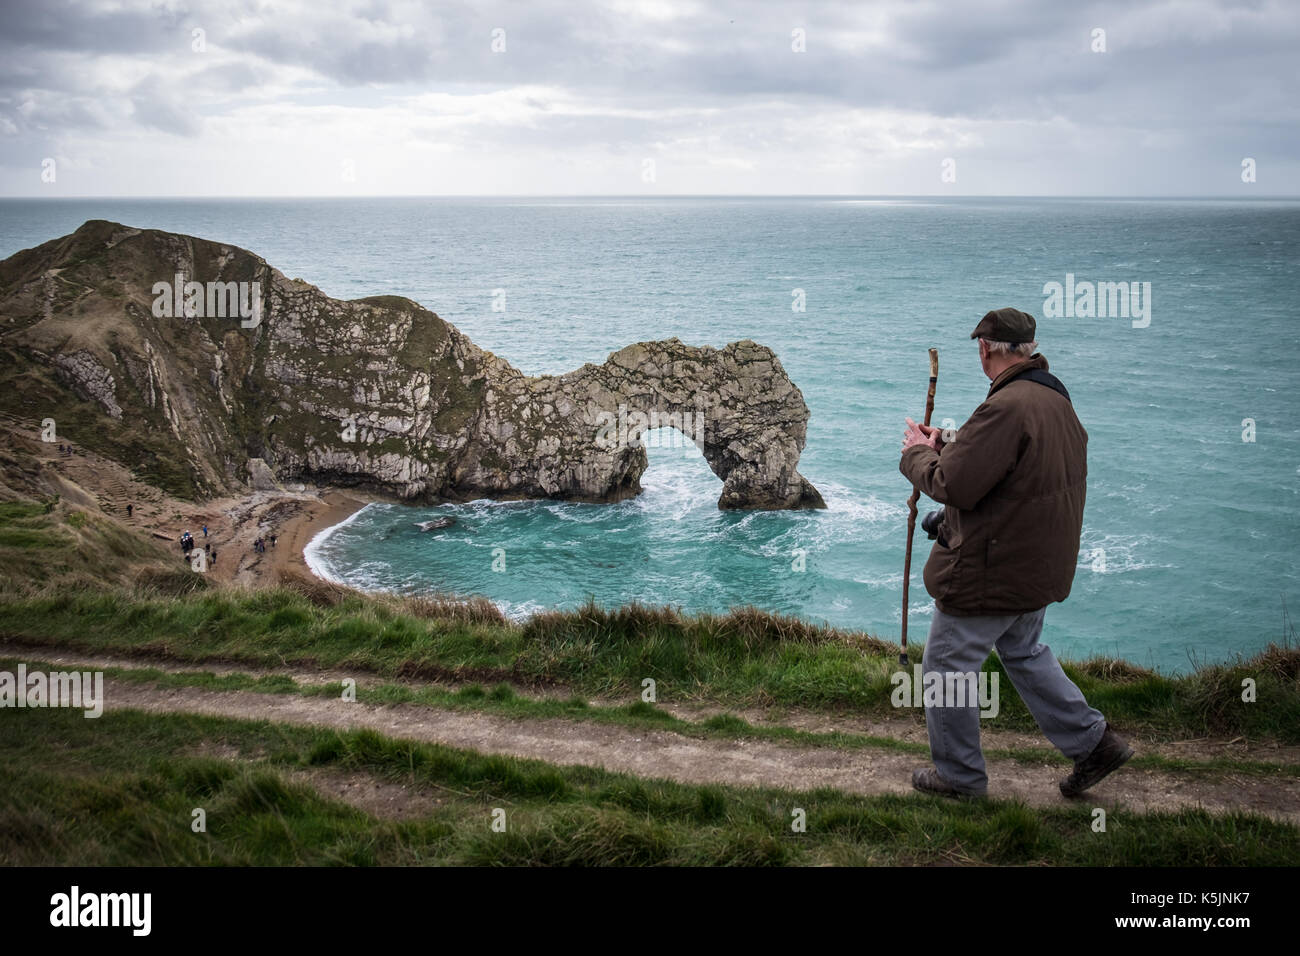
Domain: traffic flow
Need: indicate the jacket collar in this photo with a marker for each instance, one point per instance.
(1034, 361)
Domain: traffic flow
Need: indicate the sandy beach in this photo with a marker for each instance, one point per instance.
(235, 524)
(89, 480)
(294, 519)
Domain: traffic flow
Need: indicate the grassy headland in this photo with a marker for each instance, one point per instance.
(156, 610)
(121, 789)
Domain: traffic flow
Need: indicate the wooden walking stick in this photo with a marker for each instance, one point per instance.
(911, 504)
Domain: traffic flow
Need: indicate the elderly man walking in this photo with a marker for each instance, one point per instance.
(1013, 483)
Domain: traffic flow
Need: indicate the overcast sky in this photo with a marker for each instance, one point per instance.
(648, 97)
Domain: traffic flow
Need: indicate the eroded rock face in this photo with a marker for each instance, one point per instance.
(89, 379)
(260, 476)
(735, 403)
(380, 391)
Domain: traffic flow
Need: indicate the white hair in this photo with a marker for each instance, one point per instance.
(1019, 350)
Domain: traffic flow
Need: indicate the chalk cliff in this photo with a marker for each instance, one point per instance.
(204, 368)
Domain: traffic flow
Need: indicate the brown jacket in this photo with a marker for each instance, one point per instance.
(1013, 485)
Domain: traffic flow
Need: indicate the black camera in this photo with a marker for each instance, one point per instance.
(930, 523)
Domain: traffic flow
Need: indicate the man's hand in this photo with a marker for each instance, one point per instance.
(926, 435)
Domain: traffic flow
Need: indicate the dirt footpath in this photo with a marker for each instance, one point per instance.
(751, 763)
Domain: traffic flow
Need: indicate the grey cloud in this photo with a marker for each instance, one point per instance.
(48, 25)
(232, 78)
(1210, 74)
(153, 105)
(979, 59)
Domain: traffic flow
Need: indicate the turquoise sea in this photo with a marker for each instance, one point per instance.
(1191, 534)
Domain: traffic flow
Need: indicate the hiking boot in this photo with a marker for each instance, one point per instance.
(1111, 752)
(927, 780)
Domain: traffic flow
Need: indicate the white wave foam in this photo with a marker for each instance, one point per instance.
(890, 581)
(913, 612)
(1108, 553)
(674, 492)
(317, 563)
(576, 513)
(518, 613)
(855, 506)
(478, 504)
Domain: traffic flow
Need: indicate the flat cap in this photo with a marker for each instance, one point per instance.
(1006, 325)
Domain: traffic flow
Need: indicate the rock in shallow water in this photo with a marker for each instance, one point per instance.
(435, 524)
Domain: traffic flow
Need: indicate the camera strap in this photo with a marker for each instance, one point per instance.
(1042, 378)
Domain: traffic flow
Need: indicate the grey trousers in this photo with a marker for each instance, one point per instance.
(962, 644)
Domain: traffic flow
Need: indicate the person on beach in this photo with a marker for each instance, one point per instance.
(205, 531)
(129, 509)
(1013, 481)
(273, 539)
